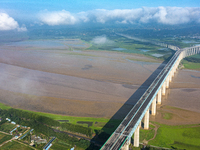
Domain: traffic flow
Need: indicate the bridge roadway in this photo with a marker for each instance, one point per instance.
(123, 131)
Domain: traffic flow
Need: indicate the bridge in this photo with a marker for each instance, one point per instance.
(121, 137)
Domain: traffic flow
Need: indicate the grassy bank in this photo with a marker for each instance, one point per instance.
(94, 123)
(191, 65)
(177, 137)
(192, 62)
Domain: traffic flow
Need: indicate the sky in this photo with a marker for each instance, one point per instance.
(14, 14)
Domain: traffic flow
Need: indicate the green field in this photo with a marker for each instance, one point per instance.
(192, 62)
(7, 127)
(146, 134)
(97, 123)
(3, 106)
(191, 65)
(180, 137)
(15, 146)
(4, 137)
(58, 144)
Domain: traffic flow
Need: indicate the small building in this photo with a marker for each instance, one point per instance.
(16, 137)
(12, 122)
(8, 119)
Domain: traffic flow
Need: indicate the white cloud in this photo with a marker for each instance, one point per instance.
(162, 15)
(23, 28)
(117, 15)
(172, 15)
(102, 40)
(58, 18)
(8, 23)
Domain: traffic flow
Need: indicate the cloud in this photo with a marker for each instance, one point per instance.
(8, 23)
(117, 15)
(23, 28)
(162, 15)
(102, 40)
(172, 15)
(58, 18)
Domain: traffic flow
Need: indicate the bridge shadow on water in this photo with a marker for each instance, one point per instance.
(102, 135)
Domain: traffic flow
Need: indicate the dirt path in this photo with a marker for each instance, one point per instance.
(6, 142)
(4, 133)
(155, 129)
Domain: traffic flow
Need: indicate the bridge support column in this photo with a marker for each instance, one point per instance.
(146, 120)
(173, 70)
(153, 109)
(164, 88)
(140, 124)
(170, 76)
(136, 137)
(159, 97)
(126, 145)
(167, 82)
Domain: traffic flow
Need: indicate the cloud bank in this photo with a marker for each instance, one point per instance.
(162, 15)
(8, 23)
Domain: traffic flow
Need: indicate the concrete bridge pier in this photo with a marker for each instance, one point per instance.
(146, 120)
(153, 109)
(173, 71)
(126, 145)
(164, 88)
(159, 97)
(170, 76)
(140, 124)
(136, 137)
(167, 82)
(176, 66)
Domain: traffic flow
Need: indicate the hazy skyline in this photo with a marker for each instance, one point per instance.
(14, 14)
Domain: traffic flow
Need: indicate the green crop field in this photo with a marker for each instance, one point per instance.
(7, 127)
(58, 144)
(13, 145)
(4, 137)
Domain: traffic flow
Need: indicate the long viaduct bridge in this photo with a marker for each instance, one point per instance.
(121, 137)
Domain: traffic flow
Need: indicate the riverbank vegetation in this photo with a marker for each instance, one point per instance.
(192, 62)
(169, 136)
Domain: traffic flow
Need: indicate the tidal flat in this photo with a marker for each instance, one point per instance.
(73, 81)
